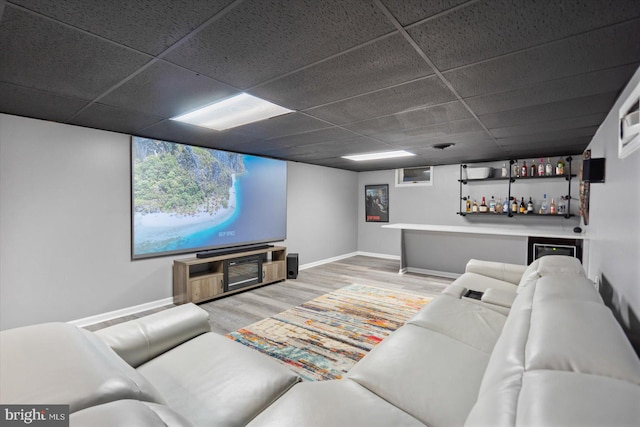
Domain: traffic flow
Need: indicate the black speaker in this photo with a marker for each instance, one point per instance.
(593, 170)
(292, 266)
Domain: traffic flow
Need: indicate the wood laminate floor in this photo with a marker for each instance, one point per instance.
(236, 311)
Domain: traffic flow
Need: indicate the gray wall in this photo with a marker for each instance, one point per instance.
(65, 223)
(614, 220)
(438, 204)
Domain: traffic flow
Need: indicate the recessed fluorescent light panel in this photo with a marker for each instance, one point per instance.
(232, 112)
(378, 156)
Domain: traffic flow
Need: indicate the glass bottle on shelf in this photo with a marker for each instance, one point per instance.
(483, 206)
(530, 206)
(505, 172)
(514, 205)
(541, 167)
(560, 167)
(515, 170)
(523, 169)
(492, 205)
(523, 208)
(552, 208)
(468, 204)
(548, 168)
(544, 207)
(562, 206)
(474, 209)
(533, 170)
(499, 206)
(505, 205)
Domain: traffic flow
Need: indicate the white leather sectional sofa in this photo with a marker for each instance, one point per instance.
(539, 348)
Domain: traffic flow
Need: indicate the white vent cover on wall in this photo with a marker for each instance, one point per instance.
(629, 119)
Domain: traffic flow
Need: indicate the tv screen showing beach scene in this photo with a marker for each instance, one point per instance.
(189, 199)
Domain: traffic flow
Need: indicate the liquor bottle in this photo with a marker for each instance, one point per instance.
(515, 170)
(560, 167)
(541, 167)
(523, 169)
(552, 209)
(483, 206)
(468, 204)
(505, 206)
(474, 209)
(523, 207)
(543, 207)
(499, 206)
(533, 170)
(505, 173)
(548, 168)
(492, 205)
(530, 206)
(514, 205)
(562, 206)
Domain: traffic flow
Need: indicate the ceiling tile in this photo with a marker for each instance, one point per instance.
(170, 130)
(540, 138)
(147, 26)
(287, 124)
(582, 85)
(100, 116)
(166, 90)
(419, 141)
(262, 39)
(408, 96)
(27, 102)
(49, 56)
(487, 29)
(385, 63)
(549, 149)
(411, 119)
(553, 111)
(314, 137)
(433, 132)
(410, 11)
(596, 50)
(550, 126)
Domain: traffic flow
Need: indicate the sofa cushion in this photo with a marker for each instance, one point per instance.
(215, 381)
(581, 337)
(140, 340)
(338, 403)
(569, 399)
(59, 363)
(505, 272)
(461, 320)
(128, 413)
(425, 373)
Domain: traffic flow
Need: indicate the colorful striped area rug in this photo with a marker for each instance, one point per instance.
(323, 338)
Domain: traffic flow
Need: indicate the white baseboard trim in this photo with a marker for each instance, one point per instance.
(431, 272)
(91, 320)
(326, 261)
(376, 255)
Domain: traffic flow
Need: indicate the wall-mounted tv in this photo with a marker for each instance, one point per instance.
(188, 199)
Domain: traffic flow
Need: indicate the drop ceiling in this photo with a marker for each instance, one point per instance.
(499, 79)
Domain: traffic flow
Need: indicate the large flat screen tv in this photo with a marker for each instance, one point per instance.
(189, 199)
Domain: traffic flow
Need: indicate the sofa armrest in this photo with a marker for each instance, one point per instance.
(498, 297)
(511, 273)
(140, 340)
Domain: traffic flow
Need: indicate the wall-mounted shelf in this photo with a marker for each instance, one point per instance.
(568, 176)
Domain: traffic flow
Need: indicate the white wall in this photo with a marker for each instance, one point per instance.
(65, 223)
(614, 220)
